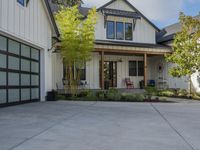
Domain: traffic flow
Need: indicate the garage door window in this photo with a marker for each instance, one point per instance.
(19, 72)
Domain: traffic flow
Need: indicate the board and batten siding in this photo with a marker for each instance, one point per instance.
(143, 33)
(30, 25)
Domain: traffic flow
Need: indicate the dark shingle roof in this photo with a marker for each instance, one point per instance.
(168, 33)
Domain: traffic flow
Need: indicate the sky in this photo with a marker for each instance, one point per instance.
(161, 12)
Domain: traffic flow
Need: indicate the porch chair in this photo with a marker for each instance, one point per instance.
(129, 83)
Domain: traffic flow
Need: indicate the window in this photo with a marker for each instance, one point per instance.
(75, 71)
(132, 68)
(83, 73)
(136, 68)
(110, 30)
(120, 30)
(140, 68)
(22, 2)
(128, 31)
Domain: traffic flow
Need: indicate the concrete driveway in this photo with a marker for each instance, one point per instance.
(100, 126)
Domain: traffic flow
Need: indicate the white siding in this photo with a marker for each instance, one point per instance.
(92, 70)
(143, 33)
(30, 25)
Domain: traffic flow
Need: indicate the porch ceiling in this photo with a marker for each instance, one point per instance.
(131, 48)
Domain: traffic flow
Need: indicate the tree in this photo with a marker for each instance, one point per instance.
(77, 41)
(186, 49)
(69, 3)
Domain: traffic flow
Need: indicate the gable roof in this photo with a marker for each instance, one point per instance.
(169, 32)
(52, 17)
(130, 5)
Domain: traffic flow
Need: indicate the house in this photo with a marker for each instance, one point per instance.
(126, 46)
(27, 31)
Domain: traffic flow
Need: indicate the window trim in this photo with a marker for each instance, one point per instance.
(122, 31)
(113, 29)
(131, 30)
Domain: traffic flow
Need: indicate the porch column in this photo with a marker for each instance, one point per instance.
(145, 70)
(102, 70)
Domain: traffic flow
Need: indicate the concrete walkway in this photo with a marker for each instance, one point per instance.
(100, 126)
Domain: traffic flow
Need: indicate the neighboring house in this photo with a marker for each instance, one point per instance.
(126, 47)
(166, 37)
(26, 31)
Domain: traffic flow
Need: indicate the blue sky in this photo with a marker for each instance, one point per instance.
(161, 12)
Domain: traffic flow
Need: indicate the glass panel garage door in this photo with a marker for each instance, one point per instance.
(19, 72)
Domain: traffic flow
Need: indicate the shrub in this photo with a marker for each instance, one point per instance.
(113, 94)
(100, 95)
(132, 97)
(139, 97)
(84, 93)
(60, 97)
(182, 93)
(167, 93)
(150, 91)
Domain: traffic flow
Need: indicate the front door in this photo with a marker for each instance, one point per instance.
(110, 74)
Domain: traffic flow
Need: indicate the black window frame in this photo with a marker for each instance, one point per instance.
(21, 2)
(134, 73)
(108, 29)
(131, 32)
(117, 29)
(20, 87)
(140, 68)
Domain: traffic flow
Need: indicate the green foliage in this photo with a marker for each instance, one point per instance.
(132, 97)
(68, 3)
(60, 97)
(84, 93)
(113, 94)
(150, 91)
(186, 48)
(100, 95)
(182, 93)
(167, 93)
(77, 40)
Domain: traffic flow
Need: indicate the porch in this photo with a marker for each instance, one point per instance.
(137, 62)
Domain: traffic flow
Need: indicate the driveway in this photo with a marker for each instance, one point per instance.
(100, 126)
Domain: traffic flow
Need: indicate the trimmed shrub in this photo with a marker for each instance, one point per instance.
(167, 93)
(100, 95)
(60, 97)
(182, 93)
(139, 97)
(84, 93)
(113, 95)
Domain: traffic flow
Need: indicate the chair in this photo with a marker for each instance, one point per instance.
(129, 83)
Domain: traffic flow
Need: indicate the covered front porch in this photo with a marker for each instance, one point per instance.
(140, 64)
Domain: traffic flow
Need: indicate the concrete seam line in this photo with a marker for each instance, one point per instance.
(70, 117)
(173, 128)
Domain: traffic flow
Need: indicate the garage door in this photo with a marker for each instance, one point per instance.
(19, 72)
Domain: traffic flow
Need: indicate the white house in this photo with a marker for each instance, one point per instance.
(126, 46)
(27, 28)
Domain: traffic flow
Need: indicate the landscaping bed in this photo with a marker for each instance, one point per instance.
(112, 95)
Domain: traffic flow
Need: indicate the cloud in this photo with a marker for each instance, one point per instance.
(163, 11)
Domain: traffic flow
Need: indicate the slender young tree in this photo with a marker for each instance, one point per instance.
(77, 41)
(186, 49)
(69, 3)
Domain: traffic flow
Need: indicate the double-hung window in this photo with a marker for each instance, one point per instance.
(110, 30)
(120, 31)
(136, 68)
(128, 31)
(132, 68)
